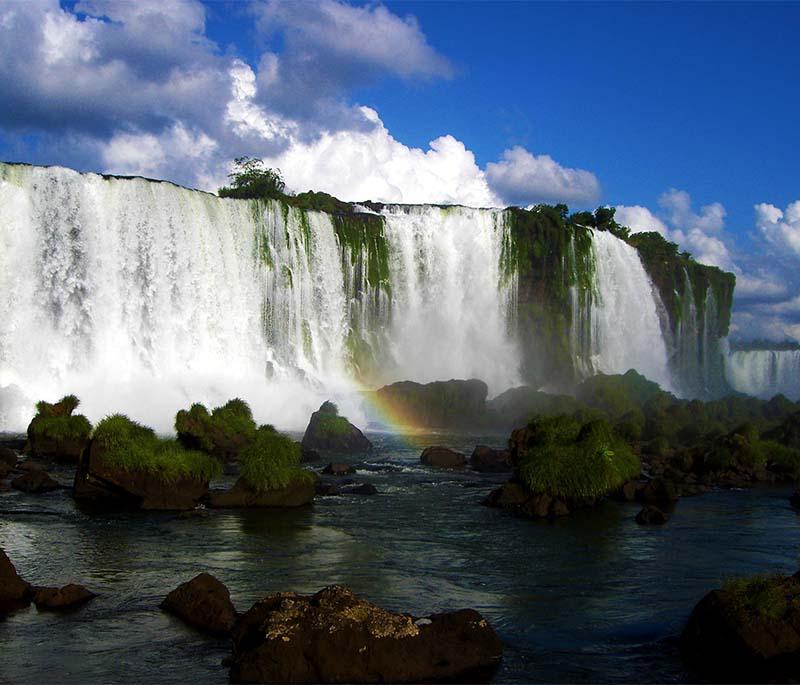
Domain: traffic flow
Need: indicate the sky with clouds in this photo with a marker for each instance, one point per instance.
(684, 117)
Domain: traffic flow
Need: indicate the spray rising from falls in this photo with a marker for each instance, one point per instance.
(764, 373)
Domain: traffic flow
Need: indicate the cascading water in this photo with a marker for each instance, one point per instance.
(764, 373)
(144, 297)
(624, 329)
(449, 314)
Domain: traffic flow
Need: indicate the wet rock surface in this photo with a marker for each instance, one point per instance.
(204, 603)
(442, 458)
(336, 636)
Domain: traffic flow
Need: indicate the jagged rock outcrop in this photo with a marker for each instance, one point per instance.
(335, 636)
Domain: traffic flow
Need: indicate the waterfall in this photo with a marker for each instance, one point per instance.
(764, 373)
(624, 327)
(449, 313)
(144, 297)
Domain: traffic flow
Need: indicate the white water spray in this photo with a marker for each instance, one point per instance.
(764, 373)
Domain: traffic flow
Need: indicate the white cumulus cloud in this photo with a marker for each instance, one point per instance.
(523, 178)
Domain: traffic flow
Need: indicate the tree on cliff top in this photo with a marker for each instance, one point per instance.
(251, 179)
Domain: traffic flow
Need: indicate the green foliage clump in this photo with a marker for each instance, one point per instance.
(564, 458)
(619, 395)
(223, 432)
(271, 461)
(768, 596)
(56, 422)
(252, 180)
(329, 424)
(126, 444)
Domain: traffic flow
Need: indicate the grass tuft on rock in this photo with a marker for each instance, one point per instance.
(56, 421)
(565, 458)
(223, 432)
(271, 461)
(768, 596)
(128, 445)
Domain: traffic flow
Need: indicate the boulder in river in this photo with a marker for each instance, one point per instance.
(659, 492)
(56, 433)
(15, 593)
(70, 596)
(298, 492)
(203, 602)
(442, 458)
(749, 630)
(329, 431)
(336, 636)
(651, 516)
(488, 460)
(338, 470)
(127, 466)
(34, 482)
(8, 457)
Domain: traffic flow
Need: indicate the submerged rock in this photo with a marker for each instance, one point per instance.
(442, 458)
(8, 457)
(488, 460)
(70, 596)
(363, 489)
(749, 630)
(203, 602)
(329, 431)
(338, 470)
(15, 593)
(298, 493)
(34, 482)
(650, 515)
(335, 636)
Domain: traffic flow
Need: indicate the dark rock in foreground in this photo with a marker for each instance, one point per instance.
(203, 602)
(488, 460)
(442, 458)
(336, 637)
(34, 482)
(794, 500)
(299, 492)
(651, 516)
(747, 631)
(329, 431)
(15, 593)
(97, 484)
(70, 596)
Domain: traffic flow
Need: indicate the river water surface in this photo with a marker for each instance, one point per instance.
(591, 597)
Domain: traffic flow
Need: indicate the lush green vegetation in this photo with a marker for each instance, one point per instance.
(223, 432)
(563, 457)
(271, 461)
(57, 422)
(768, 596)
(328, 423)
(125, 444)
(252, 180)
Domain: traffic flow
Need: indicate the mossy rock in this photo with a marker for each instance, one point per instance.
(128, 466)
(328, 431)
(56, 433)
(577, 462)
(222, 433)
(748, 630)
(272, 462)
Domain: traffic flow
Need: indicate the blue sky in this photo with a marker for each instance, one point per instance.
(681, 115)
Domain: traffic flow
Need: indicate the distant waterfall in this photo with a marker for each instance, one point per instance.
(764, 373)
(623, 324)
